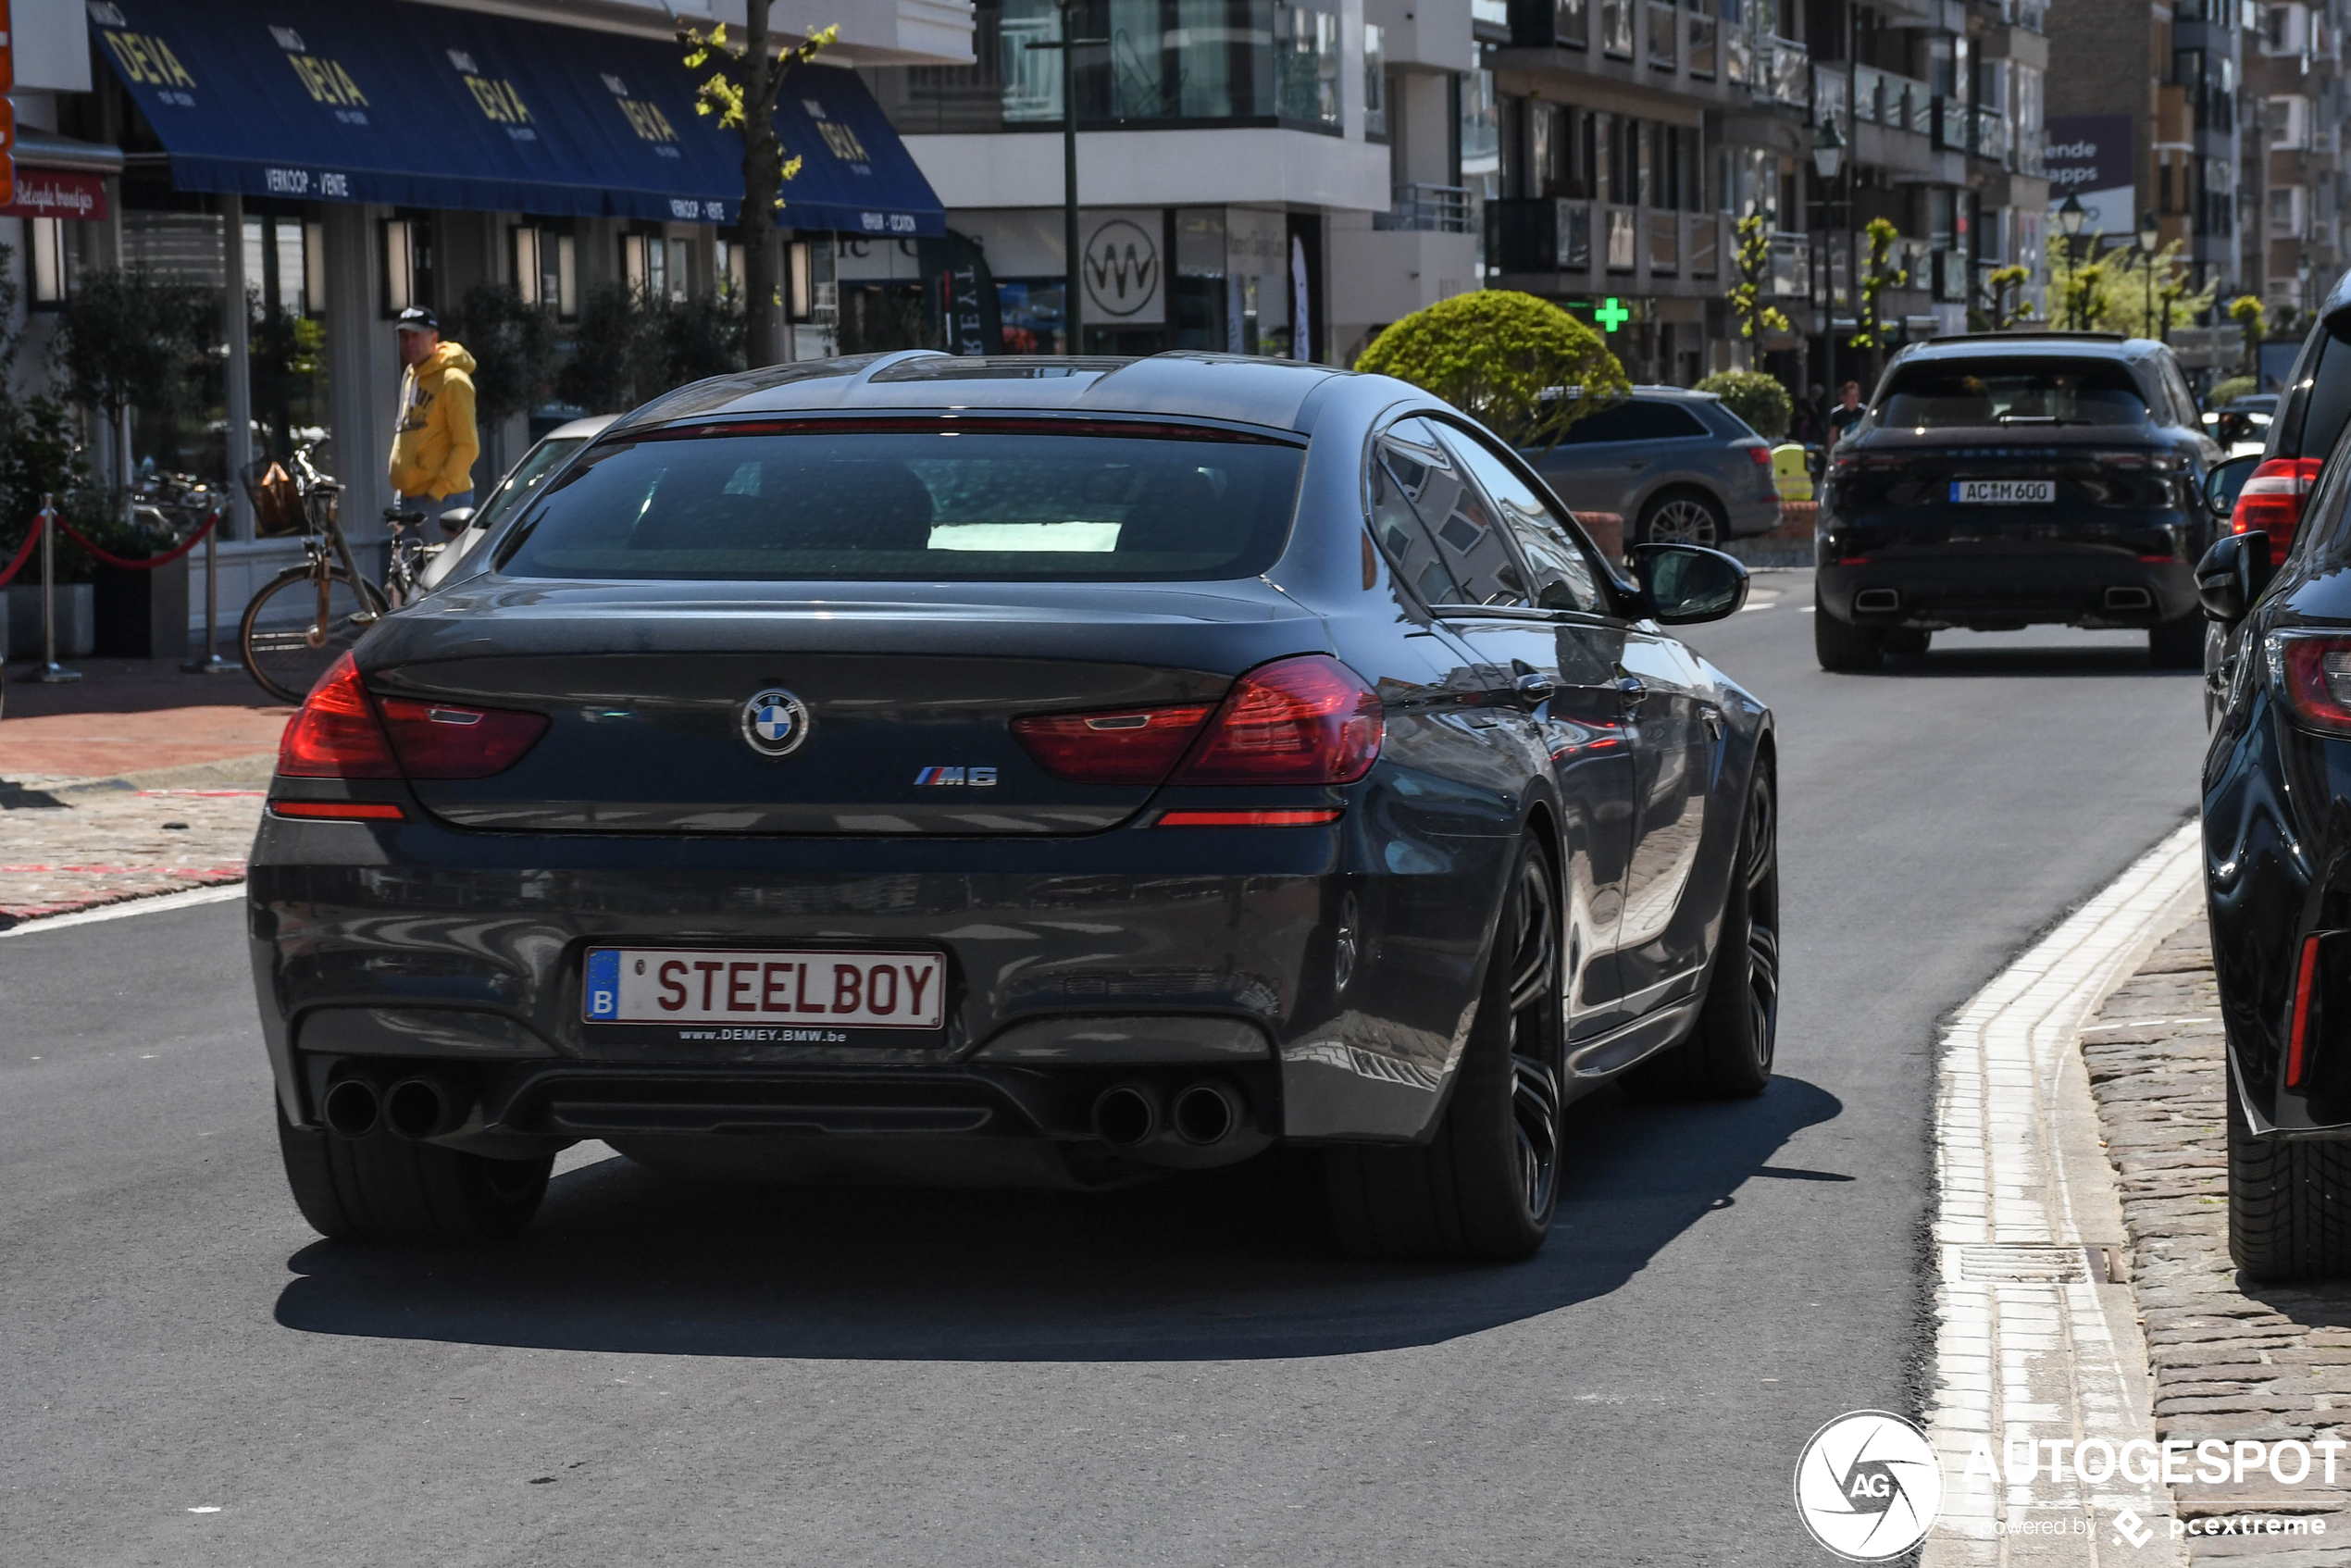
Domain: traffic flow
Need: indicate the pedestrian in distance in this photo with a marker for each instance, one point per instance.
(1847, 412)
(434, 447)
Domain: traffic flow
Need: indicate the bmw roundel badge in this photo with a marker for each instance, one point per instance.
(774, 723)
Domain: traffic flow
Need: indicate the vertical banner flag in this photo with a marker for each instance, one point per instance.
(7, 109)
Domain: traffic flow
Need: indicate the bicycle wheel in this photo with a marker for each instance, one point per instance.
(285, 649)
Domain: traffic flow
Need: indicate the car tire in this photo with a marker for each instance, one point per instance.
(1683, 517)
(2289, 1204)
(385, 1188)
(1728, 1055)
(1905, 639)
(1487, 1184)
(1841, 645)
(2177, 645)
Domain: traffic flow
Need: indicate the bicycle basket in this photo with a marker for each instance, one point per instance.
(277, 499)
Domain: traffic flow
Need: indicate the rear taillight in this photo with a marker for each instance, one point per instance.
(1123, 746)
(340, 734)
(336, 735)
(1307, 720)
(2297, 1035)
(440, 740)
(2316, 673)
(2273, 497)
(1760, 452)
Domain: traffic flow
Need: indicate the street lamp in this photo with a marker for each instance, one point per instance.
(1828, 156)
(2069, 218)
(2150, 240)
(1073, 271)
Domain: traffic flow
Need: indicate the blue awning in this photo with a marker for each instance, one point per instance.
(422, 105)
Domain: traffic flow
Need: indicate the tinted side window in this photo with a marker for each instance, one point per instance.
(2183, 400)
(1635, 421)
(1546, 539)
(2329, 407)
(1467, 536)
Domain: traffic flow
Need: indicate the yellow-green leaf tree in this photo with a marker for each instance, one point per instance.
(1520, 366)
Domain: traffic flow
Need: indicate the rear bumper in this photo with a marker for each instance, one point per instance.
(1998, 591)
(1327, 991)
(1749, 515)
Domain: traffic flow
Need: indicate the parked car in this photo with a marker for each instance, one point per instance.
(1677, 465)
(2242, 425)
(1019, 770)
(470, 527)
(2011, 480)
(2277, 858)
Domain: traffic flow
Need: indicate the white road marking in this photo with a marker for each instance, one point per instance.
(220, 894)
(2019, 1166)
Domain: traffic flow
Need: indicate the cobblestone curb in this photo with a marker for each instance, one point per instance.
(2230, 1360)
(77, 848)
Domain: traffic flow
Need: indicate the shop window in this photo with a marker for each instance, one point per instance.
(653, 266)
(407, 264)
(728, 266)
(546, 270)
(47, 241)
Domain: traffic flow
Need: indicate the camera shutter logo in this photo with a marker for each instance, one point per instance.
(774, 723)
(1122, 268)
(1868, 1486)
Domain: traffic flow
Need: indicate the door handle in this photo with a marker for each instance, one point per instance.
(1637, 464)
(1535, 687)
(1631, 692)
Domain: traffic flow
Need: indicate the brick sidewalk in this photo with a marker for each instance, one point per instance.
(134, 780)
(2230, 1360)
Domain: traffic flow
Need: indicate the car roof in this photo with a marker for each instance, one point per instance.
(1685, 394)
(2050, 345)
(580, 429)
(1239, 389)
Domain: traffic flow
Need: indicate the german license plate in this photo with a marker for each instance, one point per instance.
(788, 988)
(2003, 492)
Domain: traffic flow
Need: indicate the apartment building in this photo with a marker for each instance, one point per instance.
(2296, 99)
(2161, 90)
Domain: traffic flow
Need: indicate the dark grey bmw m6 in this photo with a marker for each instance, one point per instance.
(1015, 771)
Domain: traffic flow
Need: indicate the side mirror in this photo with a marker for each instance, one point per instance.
(2231, 576)
(2221, 485)
(456, 521)
(1685, 584)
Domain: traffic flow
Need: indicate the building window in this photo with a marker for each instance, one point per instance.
(1375, 82)
(408, 264)
(547, 269)
(47, 241)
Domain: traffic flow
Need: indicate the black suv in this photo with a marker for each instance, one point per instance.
(2014, 479)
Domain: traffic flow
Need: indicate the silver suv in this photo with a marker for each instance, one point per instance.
(1677, 465)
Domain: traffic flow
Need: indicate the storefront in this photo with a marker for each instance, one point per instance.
(334, 164)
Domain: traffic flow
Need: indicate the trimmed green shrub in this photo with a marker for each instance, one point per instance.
(2227, 391)
(1754, 397)
(1521, 365)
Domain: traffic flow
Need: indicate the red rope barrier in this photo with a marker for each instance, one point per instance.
(151, 561)
(31, 537)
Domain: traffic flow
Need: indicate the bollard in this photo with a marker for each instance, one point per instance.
(51, 673)
(210, 662)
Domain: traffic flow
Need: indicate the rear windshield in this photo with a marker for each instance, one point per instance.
(926, 504)
(2011, 391)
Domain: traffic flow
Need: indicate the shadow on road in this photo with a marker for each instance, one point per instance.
(1224, 1267)
(1978, 660)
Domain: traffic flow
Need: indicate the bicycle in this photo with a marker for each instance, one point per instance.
(307, 617)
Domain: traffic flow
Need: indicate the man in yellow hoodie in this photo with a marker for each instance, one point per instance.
(434, 448)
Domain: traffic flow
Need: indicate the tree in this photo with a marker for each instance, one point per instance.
(127, 336)
(1754, 397)
(1522, 365)
(513, 343)
(2246, 312)
(1755, 273)
(607, 352)
(2005, 287)
(741, 90)
(1877, 276)
(2123, 290)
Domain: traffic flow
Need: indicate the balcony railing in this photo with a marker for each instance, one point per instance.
(1988, 137)
(1665, 244)
(1549, 234)
(1784, 71)
(1899, 102)
(1622, 253)
(1701, 56)
(1738, 56)
(1664, 32)
(1828, 95)
(1791, 275)
(1434, 209)
(1702, 250)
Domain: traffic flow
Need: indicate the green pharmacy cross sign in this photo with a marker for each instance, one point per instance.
(1611, 314)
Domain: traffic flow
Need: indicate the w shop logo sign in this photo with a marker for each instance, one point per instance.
(1121, 268)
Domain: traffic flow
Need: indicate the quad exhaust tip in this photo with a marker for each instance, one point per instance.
(421, 1108)
(353, 1108)
(1205, 1114)
(1126, 1114)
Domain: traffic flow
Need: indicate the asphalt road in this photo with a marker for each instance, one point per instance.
(663, 1373)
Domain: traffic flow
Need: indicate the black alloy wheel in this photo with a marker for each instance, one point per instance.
(1487, 1184)
(1728, 1055)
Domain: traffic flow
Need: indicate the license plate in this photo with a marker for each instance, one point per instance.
(2003, 492)
(796, 989)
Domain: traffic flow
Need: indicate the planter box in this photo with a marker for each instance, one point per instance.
(1606, 531)
(141, 615)
(76, 620)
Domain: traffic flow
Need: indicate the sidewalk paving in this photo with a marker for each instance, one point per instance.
(136, 779)
(2230, 1360)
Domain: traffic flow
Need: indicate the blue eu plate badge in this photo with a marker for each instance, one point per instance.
(604, 983)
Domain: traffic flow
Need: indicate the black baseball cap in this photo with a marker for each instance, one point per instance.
(416, 319)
